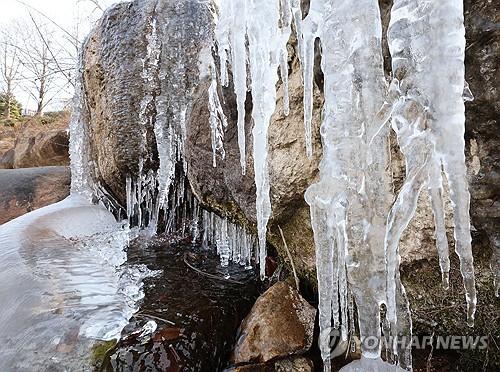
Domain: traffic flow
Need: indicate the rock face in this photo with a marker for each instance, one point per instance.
(281, 323)
(24, 190)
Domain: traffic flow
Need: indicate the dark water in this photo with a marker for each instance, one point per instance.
(196, 316)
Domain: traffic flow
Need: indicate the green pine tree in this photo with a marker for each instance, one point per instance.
(15, 107)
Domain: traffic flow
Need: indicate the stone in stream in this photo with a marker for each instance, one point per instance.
(281, 323)
(27, 189)
(293, 364)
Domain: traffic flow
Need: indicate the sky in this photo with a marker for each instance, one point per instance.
(67, 14)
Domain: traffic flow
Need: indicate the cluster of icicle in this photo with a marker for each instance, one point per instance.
(357, 225)
(234, 243)
(264, 28)
(184, 215)
(161, 196)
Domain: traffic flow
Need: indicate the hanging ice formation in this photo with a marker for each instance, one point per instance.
(427, 43)
(218, 121)
(163, 107)
(350, 202)
(233, 242)
(355, 229)
(267, 32)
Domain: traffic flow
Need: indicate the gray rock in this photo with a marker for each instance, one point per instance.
(114, 84)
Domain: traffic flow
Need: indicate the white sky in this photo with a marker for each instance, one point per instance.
(66, 13)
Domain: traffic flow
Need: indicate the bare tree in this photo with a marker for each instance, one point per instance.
(47, 53)
(46, 71)
(9, 70)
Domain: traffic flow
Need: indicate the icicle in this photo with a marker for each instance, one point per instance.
(218, 121)
(353, 175)
(266, 42)
(267, 51)
(233, 242)
(311, 28)
(239, 66)
(324, 268)
(286, 23)
(435, 189)
(222, 34)
(428, 56)
(81, 167)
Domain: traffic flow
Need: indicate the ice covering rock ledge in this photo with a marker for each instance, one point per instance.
(64, 284)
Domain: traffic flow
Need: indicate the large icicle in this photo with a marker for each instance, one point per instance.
(81, 168)
(311, 27)
(231, 39)
(267, 31)
(266, 42)
(353, 171)
(427, 43)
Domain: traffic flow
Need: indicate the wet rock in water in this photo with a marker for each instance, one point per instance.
(24, 190)
(281, 323)
(188, 321)
(298, 364)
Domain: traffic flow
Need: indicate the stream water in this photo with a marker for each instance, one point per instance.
(67, 286)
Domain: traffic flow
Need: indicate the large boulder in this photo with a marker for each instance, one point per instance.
(127, 91)
(24, 190)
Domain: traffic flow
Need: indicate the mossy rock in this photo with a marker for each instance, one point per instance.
(100, 350)
(440, 312)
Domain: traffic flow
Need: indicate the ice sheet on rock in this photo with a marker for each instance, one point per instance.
(218, 121)
(81, 167)
(349, 204)
(63, 284)
(427, 44)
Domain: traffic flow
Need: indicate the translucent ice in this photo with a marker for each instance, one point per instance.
(350, 202)
(267, 32)
(427, 44)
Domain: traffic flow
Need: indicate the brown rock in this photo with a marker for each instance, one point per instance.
(281, 323)
(7, 159)
(43, 149)
(24, 190)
